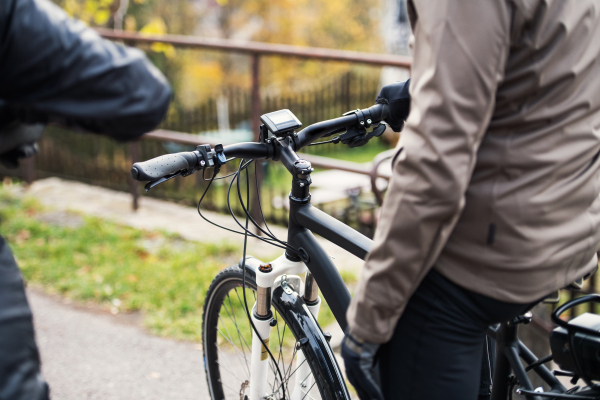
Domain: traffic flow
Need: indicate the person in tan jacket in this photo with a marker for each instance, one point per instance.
(494, 201)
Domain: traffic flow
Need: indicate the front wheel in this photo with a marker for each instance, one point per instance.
(227, 344)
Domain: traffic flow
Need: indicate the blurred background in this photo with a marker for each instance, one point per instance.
(214, 92)
(83, 236)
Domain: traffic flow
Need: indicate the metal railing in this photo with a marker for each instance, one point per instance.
(255, 50)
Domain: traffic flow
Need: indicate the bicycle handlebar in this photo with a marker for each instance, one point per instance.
(169, 165)
(375, 114)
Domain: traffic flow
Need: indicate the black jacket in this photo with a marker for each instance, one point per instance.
(55, 69)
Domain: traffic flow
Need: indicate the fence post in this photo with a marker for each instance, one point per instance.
(348, 83)
(255, 125)
(134, 153)
(29, 169)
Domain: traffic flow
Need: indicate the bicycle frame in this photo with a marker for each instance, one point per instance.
(509, 351)
(304, 219)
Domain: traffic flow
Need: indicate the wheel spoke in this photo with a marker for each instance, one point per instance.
(275, 378)
(287, 373)
(305, 379)
(227, 369)
(308, 391)
(294, 371)
(242, 340)
(229, 387)
(237, 351)
(279, 341)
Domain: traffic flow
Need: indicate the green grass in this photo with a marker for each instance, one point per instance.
(112, 265)
(119, 268)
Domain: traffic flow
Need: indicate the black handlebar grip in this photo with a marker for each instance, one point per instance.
(162, 166)
(379, 112)
(385, 111)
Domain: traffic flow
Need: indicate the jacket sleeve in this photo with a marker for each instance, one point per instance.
(55, 69)
(459, 56)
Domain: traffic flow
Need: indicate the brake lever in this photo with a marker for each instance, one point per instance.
(334, 132)
(157, 182)
(378, 131)
(358, 136)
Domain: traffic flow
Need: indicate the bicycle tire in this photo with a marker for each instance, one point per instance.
(288, 308)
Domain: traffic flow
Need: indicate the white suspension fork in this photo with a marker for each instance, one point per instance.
(262, 317)
(260, 357)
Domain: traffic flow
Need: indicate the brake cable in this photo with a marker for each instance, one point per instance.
(244, 282)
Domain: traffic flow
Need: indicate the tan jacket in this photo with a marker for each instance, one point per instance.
(497, 178)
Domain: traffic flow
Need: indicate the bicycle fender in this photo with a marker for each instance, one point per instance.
(315, 347)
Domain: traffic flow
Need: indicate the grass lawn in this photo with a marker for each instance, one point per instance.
(118, 268)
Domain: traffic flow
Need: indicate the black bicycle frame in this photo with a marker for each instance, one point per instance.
(305, 218)
(509, 351)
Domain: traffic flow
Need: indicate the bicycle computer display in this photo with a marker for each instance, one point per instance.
(281, 122)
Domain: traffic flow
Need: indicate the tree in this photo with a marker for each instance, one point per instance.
(195, 75)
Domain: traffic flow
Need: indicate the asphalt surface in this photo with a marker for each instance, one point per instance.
(90, 354)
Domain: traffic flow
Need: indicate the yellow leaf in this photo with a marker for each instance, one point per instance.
(90, 7)
(130, 23)
(199, 77)
(101, 17)
(167, 49)
(155, 26)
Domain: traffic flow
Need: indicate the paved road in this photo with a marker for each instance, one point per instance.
(89, 354)
(94, 355)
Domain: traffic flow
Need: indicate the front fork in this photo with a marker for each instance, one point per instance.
(262, 318)
(303, 381)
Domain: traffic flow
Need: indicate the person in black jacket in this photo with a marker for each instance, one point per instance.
(54, 69)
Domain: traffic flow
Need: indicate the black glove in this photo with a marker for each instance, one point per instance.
(360, 360)
(396, 96)
(18, 140)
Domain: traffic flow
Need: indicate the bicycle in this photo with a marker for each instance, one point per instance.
(237, 352)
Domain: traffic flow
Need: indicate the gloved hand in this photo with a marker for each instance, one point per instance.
(18, 140)
(396, 96)
(360, 359)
